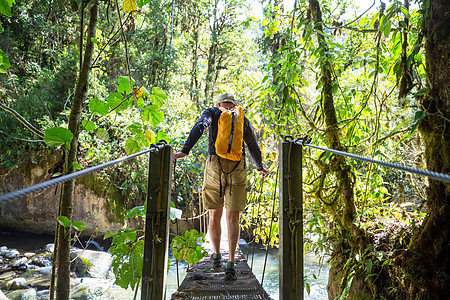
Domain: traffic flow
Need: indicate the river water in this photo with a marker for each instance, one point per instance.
(317, 274)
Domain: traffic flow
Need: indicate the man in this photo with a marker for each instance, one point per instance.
(223, 180)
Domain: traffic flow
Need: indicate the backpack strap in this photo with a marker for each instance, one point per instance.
(226, 173)
(233, 120)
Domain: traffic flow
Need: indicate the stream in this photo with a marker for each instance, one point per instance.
(31, 242)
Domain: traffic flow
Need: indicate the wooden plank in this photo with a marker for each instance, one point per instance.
(204, 282)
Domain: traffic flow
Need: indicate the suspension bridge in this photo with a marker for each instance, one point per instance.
(201, 282)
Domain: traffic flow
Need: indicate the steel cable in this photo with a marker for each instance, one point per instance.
(58, 180)
(431, 174)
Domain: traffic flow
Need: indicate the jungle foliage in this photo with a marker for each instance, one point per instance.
(365, 83)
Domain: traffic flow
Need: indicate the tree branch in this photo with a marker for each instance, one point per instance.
(22, 120)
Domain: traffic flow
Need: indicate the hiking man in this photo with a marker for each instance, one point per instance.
(225, 179)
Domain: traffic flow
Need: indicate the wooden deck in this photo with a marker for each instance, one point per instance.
(203, 282)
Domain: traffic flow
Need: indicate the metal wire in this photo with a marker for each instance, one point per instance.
(431, 174)
(58, 180)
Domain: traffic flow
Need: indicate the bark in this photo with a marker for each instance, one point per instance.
(406, 77)
(339, 164)
(66, 202)
(426, 261)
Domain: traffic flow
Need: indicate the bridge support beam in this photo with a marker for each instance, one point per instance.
(291, 221)
(156, 243)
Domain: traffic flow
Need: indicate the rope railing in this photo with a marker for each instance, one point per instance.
(46, 184)
(304, 141)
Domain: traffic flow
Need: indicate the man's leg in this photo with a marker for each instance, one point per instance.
(233, 232)
(215, 230)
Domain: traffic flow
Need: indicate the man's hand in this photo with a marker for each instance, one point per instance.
(178, 155)
(264, 172)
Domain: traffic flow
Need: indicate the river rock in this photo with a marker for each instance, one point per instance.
(2, 296)
(16, 284)
(49, 248)
(29, 294)
(89, 263)
(11, 253)
(3, 249)
(20, 262)
(29, 254)
(92, 288)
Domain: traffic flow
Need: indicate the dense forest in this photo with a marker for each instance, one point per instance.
(96, 80)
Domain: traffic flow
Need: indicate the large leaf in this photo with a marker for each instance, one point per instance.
(80, 226)
(58, 136)
(5, 7)
(132, 146)
(88, 125)
(158, 96)
(152, 115)
(64, 221)
(124, 84)
(4, 61)
(98, 107)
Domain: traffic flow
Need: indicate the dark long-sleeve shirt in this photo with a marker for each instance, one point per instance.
(210, 119)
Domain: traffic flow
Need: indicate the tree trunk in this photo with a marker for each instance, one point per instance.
(212, 56)
(66, 202)
(426, 261)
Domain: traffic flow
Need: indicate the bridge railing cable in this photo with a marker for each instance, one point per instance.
(46, 184)
(304, 141)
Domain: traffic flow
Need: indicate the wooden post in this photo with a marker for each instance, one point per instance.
(156, 243)
(291, 221)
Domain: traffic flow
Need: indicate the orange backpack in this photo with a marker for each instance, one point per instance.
(230, 133)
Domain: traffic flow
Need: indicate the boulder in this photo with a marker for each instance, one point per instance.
(29, 294)
(89, 263)
(17, 284)
(92, 288)
(19, 262)
(11, 253)
(2, 296)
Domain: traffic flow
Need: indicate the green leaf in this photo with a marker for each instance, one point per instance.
(64, 221)
(159, 93)
(162, 136)
(4, 61)
(80, 226)
(5, 7)
(369, 265)
(421, 92)
(58, 136)
(88, 125)
(135, 128)
(94, 40)
(418, 116)
(387, 28)
(124, 84)
(98, 107)
(132, 146)
(116, 102)
(405, 12)
(138, 211)
(102, 134)
(152, 115)
(76, 166)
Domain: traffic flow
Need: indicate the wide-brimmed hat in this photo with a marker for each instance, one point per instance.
(227, 97)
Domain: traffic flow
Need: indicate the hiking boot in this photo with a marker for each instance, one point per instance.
(215, 260)
(230, 272)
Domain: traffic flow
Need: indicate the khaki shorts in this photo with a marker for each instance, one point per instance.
(213, 198)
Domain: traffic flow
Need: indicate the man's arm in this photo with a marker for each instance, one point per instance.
(252, 144)
(195, 134)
